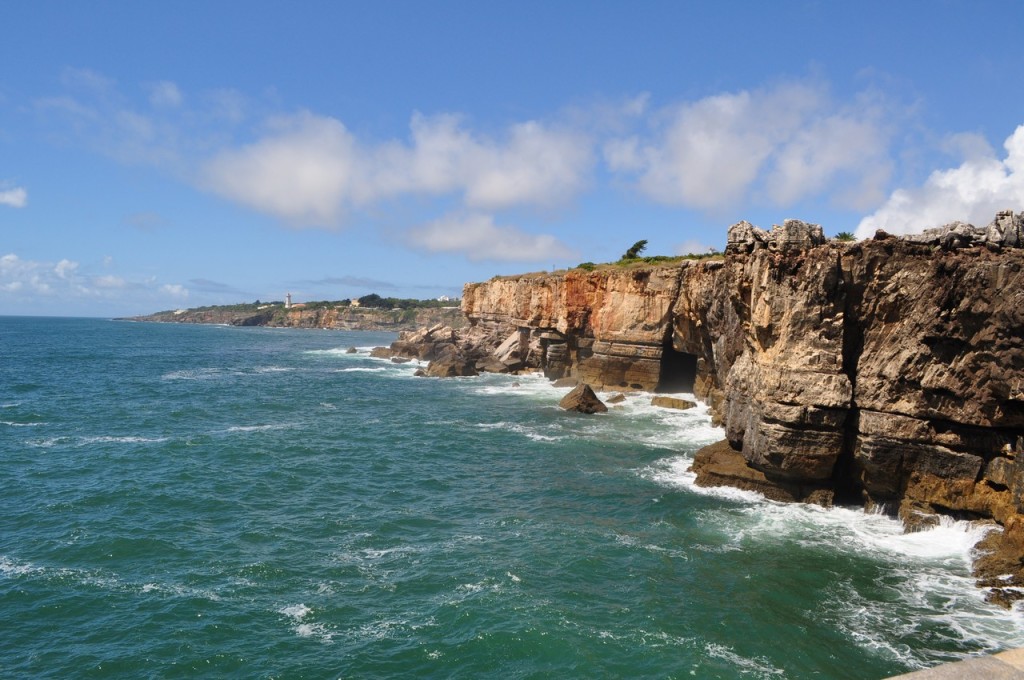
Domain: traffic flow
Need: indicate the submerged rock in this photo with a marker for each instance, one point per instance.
(583, 400)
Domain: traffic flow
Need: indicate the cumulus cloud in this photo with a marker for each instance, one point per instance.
(780, 144)
(65, 269)
(478, 238)
(15, 197)
(303, 171)
(67, 281)
(311, 170)
(972, 192)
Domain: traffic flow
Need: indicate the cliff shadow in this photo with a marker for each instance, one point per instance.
(678, 371)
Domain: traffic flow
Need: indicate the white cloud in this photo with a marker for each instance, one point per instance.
(310, 170)
(165, 94)
(65, 268)
(174, 290)
(536, 165)
(64, 282)
(971, 192)
(783, 144)
(303, 172)
(15, 198)
(478, 238)
(109, 281)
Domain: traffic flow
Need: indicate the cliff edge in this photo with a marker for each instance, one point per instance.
(887, 373)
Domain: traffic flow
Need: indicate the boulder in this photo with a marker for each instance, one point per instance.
(565, 382)
(382, 352)
(616, 398)
(673, 402)
(583, 400)
(744, 237)
(452, 362)
(796, 235)
(351, 350)
(721, 465)
(1006, 230)
(490, 364)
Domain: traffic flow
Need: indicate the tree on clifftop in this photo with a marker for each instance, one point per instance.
(635, 250)
(374, 300)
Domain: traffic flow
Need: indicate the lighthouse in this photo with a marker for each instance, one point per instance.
(288, 301)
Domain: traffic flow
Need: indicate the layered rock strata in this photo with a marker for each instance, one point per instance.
(888, 372)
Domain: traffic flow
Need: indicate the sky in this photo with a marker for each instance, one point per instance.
(164, 155)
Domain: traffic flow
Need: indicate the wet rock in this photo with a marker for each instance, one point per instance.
(616, 398)
(721, 465)
(451, 363)
(582, 400)
(351, 350)
(673, 402)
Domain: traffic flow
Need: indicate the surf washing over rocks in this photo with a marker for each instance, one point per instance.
(176, 510)
(887, 373)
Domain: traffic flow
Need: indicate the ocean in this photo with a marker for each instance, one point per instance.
(203, 501)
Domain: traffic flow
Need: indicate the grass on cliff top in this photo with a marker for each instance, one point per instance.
(623, 263)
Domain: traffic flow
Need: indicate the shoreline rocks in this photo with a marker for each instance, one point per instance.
(582, 400)
(886, 373)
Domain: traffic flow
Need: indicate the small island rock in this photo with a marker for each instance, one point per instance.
(583, 400)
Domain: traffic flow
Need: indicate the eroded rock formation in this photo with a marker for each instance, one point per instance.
(888, 372)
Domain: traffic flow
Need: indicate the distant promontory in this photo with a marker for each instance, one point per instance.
(369, 313)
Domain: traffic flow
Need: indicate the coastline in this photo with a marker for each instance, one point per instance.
(839, 371)
(327, 317)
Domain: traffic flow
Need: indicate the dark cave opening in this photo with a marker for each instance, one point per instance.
(678, 371)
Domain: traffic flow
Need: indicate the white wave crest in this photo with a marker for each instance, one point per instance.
(194, 374)
(12, 568)
(758, 666)
(259, 428)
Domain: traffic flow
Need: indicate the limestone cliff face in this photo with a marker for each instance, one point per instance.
(888, 372)
(606, 327)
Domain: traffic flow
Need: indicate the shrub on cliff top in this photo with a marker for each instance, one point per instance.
(635, 250)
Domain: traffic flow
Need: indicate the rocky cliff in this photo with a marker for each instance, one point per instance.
(888, 372)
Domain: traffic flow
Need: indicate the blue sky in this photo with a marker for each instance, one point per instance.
(164, 155)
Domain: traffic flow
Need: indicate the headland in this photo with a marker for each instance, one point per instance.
(886, 373)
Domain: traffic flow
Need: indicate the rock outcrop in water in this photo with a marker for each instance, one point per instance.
(888, 372)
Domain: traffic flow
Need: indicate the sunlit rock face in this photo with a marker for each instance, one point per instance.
(889, 371)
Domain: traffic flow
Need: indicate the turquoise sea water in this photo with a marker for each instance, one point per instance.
(183, 501)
